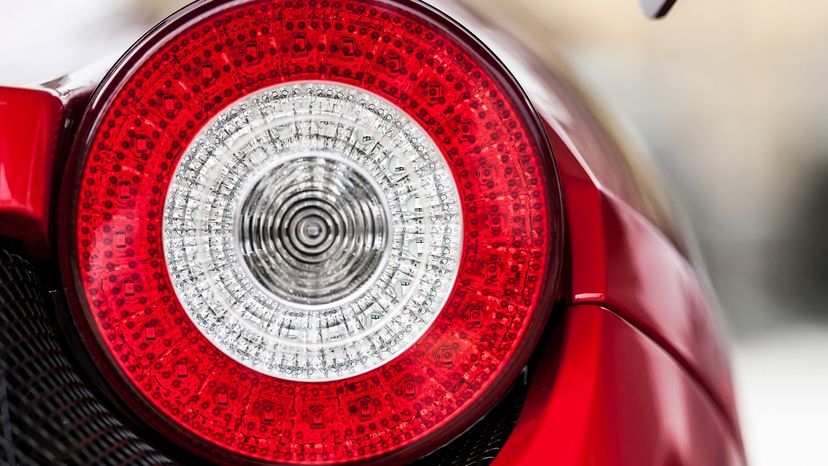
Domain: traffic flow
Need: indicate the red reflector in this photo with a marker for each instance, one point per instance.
(197, 237)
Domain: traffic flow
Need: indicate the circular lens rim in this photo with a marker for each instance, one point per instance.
(106, 375)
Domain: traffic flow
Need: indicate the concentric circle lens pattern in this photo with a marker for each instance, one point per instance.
(330, 227)
(311, 232)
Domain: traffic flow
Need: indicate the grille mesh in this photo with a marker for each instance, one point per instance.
(480, 445)
(49, 417)
(47, 414)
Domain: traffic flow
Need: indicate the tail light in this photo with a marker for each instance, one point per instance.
(310, 231)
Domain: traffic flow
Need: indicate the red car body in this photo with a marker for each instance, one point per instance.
(636, 371)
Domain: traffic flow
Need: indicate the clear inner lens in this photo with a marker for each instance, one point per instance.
(313, 231)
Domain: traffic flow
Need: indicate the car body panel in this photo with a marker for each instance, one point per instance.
(619, 259)
(614, 397)
(31, 122)
(625, 250)
(36, 127)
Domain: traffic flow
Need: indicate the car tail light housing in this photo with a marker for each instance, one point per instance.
(306, 232)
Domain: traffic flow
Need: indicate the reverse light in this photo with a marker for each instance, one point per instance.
(311, 231)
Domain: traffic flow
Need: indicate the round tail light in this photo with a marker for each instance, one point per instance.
(311, 231)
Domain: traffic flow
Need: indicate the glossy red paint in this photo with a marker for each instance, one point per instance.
(31, 121)
(614, 397)
(620, 260)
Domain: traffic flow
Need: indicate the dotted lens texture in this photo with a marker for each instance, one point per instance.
(438, 386)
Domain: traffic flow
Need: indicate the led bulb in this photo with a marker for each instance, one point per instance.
(312, 231)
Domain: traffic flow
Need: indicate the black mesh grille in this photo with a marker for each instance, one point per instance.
(480, 445)
(47, 415)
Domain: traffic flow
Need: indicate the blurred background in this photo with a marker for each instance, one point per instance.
(730, 99)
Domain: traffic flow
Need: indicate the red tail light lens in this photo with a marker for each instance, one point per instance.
(311, 231)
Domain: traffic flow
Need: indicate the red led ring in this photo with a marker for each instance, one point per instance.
(205, 58)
